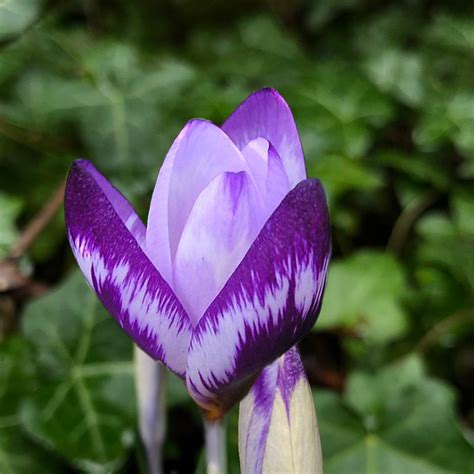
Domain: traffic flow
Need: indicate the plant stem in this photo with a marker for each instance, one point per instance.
(319, 453)
(150, 383)
(215, 447)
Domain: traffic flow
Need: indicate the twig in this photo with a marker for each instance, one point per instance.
(39, 222)
(406, 219)
(443, 326)
(34, 139)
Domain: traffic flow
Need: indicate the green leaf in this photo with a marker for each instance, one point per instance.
(340, 175)
(396, 420)
(322, 12)
(11, 208)
(120, 105)
(399, 73)
(463, 210)
(363, 293)
(449, 243)
(338, 110)
(387, 28)
(422, 168)
(17, 453)
(448, 117)
(12, 58)
(453, 32)
(84, 408)
(16, 15)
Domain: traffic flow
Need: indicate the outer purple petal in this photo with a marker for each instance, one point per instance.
(277, 421)
(98, 221)
(122, 207)
(269, 303)
(222, 225)
(200, 153)
(266, 114)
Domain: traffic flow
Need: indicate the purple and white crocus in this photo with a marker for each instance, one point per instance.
(278, 431)
(229, 272)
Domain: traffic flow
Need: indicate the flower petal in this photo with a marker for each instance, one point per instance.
(268, 172)
(266, 114)
(269, 303)
(277, 185)
(222, 225)
(122, 207)
(200, 153)
(278, 431)
(110, 257)
(256, 156)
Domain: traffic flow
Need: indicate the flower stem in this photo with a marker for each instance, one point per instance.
(150, 384)
(319, 453)
(215, 447)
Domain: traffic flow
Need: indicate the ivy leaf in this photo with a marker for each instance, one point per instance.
(422, 168)
(340, 175)
(84, 407)
(399, 73)
(16, 15)
(339, 110)
(16, 381)
(453, 32)
(120, 105)
(11, 208)
(364, 293)
(323, 12)
(449, 243)
(397, 420)
(448, 117)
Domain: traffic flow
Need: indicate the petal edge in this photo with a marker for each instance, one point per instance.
(117, 269)
(269, 303)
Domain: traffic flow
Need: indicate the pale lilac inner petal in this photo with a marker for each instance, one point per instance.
(208, 206)
(277, 184)
(256, 156)
(269, 173)
(157, 232)
(222, 225)
(200, 153)
(266, 114)
(204, 153)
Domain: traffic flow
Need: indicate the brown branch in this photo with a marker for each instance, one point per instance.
(39, 222)
(443, 327)
(406, 220)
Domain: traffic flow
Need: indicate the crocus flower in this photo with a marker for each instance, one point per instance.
(278, 431)
(229, 272)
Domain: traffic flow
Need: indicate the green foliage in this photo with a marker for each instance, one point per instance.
(84, 407)
(16, 15)
(382, 93)
(372, 284)
(16, 379)
(11, 208)
(396, 420)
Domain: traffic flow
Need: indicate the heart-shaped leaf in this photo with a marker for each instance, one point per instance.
(17, 453)
(363, 293)
(16, 15)
(84, 408)
(398, 420)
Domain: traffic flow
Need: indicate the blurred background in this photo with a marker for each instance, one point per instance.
(383, 96)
